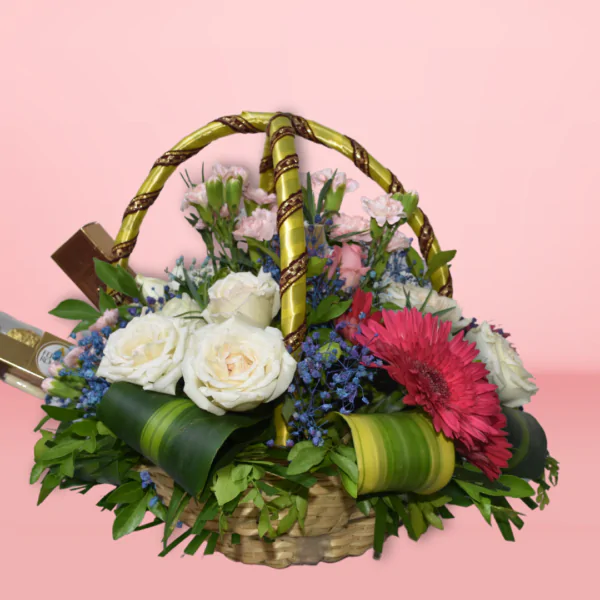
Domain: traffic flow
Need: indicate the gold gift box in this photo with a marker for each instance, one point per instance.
(26, 354)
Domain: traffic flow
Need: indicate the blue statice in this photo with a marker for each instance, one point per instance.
(268, 264)
(329, 377)
(397, 269)
(88, 389)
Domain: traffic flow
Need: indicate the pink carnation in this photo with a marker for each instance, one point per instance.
(383, 209)
(72, 356)
(224, 173)
(108, 319)
(261, 225)
(195, 195)
(349, 259)
(320, 178)
(344, 224)
(398, 242)
(261, 197)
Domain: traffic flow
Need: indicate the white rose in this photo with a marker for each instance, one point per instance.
(185, 308)
(397, 293)
(505, 366)
(152, 287)
(253, 298)
(148, 352)
(234, 366)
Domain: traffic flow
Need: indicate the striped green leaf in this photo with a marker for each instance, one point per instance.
(529, 444)
(400, 452)
(173, 433)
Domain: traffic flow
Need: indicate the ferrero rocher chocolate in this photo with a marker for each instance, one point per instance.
(26, 354)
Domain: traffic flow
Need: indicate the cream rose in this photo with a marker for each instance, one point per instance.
(234, 366)
(151, 287)
(397, 292)
(255, 299)
(185, 308)
(505, 366)
(148, 352)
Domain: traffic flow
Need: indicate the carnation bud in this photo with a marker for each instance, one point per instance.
(233, 194)
(214, 191)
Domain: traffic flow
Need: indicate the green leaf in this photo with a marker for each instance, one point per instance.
(127, 493)
(409, 202)
(307, 458)
(41, 423)
(328, 309)
(347, 465)
(419, 525)
(364, 506)
(104, 430)
(515, 487)
(175, 543)
(381, 515)
(287, 522)
(85, 428)
(301, 501)
(63, 448)
(179, 500)
(61, 414)
(50, 482)
(106, 302)
(264, 524)
(310, 208)
(415, 262)
(196, 542)
(209, 511)
(75, 310)
(36, 472)
(316, 266)
(129, 518)
(117, 278)
(302, 479)
(67, 466)
(439, 260)
(349, 484)
(229, 483)
(211, 545)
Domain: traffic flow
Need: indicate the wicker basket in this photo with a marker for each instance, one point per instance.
(334, 527)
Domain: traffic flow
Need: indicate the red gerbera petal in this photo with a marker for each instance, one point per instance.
(358, 312)
(441, 377)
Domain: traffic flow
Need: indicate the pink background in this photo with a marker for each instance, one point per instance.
(489, 110)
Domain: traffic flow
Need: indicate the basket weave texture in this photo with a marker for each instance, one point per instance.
(334, 527)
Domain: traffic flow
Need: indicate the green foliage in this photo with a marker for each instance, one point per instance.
(439, 260)
(75, 310)
(328, 309)
(117, 278)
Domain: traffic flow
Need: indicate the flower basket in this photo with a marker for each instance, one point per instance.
(312, 391)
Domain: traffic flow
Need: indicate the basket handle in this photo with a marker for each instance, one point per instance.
(252, 122)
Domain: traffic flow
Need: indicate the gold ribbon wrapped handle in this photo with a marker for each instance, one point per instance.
(279, 172)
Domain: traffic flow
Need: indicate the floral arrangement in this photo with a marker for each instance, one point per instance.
(412, 407)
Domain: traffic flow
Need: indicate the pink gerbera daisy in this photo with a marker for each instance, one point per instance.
(441, 377)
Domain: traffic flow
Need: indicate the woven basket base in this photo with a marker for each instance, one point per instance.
(334, 528)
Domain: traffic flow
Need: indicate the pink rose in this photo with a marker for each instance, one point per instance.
(344, 224)
(261, 225)
(398, 242)
(195, 195)
(383, 209)
(261, 197)
(72, 357)
(349, 259)
(108, 319)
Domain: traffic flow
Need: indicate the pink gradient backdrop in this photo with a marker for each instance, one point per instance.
(489, 110)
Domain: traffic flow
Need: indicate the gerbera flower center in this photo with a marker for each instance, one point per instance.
(433, 378)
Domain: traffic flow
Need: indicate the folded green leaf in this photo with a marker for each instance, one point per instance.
(172, 432)
(385, 464)
(117, 278)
